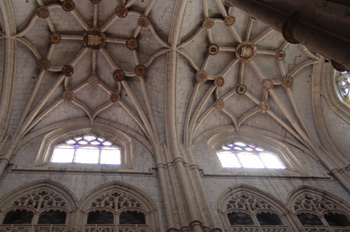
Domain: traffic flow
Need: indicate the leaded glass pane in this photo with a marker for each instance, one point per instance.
(271, 160)
(95, 143)
(71, 141)
(87, 155)
(63, 154)
(240, 154)
(250, 160)
(228, 160)
(107, 143)
(241, 144)
(88, 149)
(89, 137)
(110, 155)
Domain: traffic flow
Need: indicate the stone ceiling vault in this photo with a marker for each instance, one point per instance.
(166, 72)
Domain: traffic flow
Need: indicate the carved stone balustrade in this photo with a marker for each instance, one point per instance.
(259, 229)
(119, 228)
(31, 228)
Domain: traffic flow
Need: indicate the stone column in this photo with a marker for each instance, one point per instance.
(295, 30)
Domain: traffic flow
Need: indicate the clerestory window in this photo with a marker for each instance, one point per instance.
(87, 149)
(243, 155)
(343, 85)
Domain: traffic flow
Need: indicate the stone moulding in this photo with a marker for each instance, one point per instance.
(217, 138)
(251, 200)
(40, 196)
(54, 137)
(138, 201)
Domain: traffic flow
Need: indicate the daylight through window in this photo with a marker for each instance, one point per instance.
(343, 84)
(243, 155)
(87, 149)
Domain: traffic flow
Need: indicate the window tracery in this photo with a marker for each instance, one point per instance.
(39, 208)
(123, 211)
(88, 149)
(318, 212)
(243, 155)
(242, 208)
(118, 208)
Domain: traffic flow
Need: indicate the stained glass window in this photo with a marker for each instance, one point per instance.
(87, 149)
(243, 155)
(343, 84)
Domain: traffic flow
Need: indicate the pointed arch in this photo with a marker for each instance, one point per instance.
(38, 198)
(271, 142)
(83, 127)
(120, 199)
(316, 207)
(247, 201)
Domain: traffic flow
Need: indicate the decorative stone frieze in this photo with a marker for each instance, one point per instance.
(118, 75)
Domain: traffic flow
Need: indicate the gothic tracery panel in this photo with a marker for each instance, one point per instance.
(319, 211)
(39, 199)
(128, 208)
(116, 200)
(245, 208)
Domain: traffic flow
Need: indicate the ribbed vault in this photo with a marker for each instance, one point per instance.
(164, 72)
